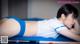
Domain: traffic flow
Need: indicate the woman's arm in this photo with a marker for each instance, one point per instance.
(71, 33)
(76, 29)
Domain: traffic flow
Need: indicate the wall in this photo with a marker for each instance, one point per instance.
(4, 8)
(14, 8)
(17, 8)
(31, 8)
(42, 8)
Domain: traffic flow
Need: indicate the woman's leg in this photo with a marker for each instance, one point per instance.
(9, 27)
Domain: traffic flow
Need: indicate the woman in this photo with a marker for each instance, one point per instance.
(64, 24)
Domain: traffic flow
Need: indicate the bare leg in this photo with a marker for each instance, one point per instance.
(9, 27)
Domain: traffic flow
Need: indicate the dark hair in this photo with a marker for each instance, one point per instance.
(66, 10)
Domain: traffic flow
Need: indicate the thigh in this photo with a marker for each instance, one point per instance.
(9, 27)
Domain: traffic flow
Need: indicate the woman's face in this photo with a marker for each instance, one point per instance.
(69, 21)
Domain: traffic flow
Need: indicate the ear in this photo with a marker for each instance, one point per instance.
(63, 16)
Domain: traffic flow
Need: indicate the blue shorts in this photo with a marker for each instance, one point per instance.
(22, 25)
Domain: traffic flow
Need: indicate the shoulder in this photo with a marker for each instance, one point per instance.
(57, 25)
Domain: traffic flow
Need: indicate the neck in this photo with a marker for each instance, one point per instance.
(61, 20)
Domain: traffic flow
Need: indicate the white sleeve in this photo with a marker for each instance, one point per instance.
(60, 27)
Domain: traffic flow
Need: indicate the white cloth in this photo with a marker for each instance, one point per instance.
(50, 28)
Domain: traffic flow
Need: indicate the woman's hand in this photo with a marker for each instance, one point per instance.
(76, 29)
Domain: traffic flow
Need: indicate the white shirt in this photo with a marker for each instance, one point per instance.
(50, 28)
